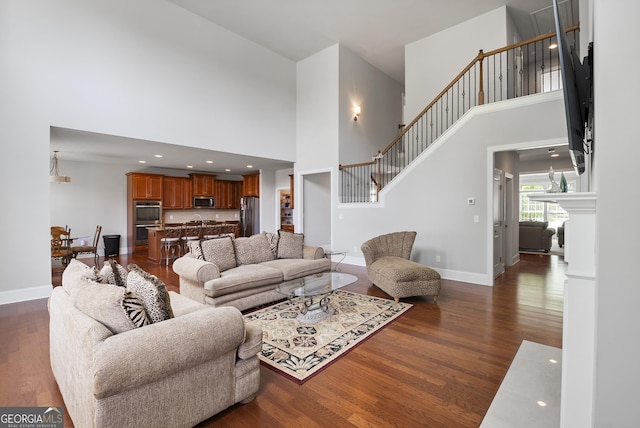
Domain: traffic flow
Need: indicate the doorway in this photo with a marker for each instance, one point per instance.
(498, 222)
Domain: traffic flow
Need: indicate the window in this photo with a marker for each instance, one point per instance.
(541, 211)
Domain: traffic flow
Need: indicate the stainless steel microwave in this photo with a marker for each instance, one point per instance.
(204, 202)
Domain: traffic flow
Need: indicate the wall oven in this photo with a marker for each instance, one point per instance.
(146, 214)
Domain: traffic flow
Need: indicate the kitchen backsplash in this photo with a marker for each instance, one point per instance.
(183, 216)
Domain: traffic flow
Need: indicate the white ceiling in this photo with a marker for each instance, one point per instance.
(375, 30)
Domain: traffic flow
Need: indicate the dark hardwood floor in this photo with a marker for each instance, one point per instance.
(438, 365)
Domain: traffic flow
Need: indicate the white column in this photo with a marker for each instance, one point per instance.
(579, 323)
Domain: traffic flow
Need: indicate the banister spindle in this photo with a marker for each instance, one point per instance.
(480, 84)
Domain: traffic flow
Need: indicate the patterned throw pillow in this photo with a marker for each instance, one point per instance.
(152, 292)
(272, 238)
(134, 308)
(252, 250)
(195, 249)
(219, 251)
(115, 307)
(113, 273)
(290, 245)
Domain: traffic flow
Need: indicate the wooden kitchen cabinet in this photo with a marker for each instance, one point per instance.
(145, 186)
(203, 184)
(228, 194)
(177, 193)
(251, 185)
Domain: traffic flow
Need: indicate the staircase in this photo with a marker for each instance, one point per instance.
(518, 70)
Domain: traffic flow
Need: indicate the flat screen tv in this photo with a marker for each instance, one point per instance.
(577, 85)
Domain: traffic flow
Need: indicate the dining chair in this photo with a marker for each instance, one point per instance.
(61, 244)
(89, 249)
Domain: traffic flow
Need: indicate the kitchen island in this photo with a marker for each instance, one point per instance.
(156, 233)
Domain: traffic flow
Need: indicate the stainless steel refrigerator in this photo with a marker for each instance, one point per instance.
(250, 215)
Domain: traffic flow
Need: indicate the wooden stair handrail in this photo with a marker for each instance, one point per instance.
(478, 59)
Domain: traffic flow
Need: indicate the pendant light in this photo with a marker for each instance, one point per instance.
(54, 174)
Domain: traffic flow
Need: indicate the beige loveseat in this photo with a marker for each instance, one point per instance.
(535, 235)
(244, 272)
(171, 373)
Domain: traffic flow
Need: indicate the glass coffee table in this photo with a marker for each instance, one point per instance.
(316, 290)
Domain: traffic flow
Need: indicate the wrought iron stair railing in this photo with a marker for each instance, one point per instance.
(521, 69)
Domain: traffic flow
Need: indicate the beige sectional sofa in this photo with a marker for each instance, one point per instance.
(244, 272)
(115, 367)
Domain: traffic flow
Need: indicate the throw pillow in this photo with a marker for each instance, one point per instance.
(113, 273)
(115, 307)
(272, 238)
(252, 250)
(290, 245)
(74, 274)
(153, 293)
(195, 249)
(219, 251)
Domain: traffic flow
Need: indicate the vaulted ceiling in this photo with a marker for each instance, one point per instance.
(375, 30)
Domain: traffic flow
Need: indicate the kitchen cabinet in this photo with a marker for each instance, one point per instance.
(228, 194)
(251, 185)
(203, 184)
(144, 186)
(177, 193)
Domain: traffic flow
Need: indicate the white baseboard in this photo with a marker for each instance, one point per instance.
(23, 295)
(454, 275)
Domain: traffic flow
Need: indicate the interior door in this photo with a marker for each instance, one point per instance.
(498, 222)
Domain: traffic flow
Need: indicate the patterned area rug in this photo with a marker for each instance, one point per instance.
(300, 351)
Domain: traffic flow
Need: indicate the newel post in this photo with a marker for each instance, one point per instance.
(480, 85)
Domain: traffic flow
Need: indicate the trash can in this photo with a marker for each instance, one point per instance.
(111, 245)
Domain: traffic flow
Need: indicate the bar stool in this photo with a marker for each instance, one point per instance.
(191, 232)
(170, 244)
(210, 231)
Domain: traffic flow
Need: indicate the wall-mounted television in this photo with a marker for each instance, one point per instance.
(577, 85)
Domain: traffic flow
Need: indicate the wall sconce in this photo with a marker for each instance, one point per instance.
(356, 113)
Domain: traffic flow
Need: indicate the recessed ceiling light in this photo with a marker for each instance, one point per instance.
(551, 150)
(553, 46)
(157, 156)
(555, 155)
(189, 166)
(249, 166)
(227, 169)
(553, 361)
(209, 161)
(142, 161)
(541, 403)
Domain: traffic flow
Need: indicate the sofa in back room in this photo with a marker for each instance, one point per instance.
(244, 272)
(535, 235)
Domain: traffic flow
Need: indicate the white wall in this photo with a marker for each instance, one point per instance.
(430, 64)
(317, 203)
(380, 100)
(143, 69)
(430, 196)
(97, 195)
(317, 110)
(617, 290)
